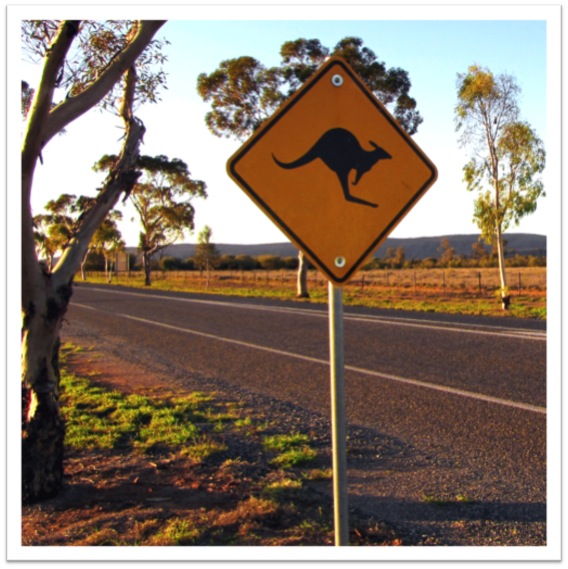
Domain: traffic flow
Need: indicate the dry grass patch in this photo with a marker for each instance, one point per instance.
(185, 482)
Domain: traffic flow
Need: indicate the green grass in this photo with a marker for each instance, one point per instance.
(292, 450)
(239, 501)
(180, 532)
(281, 489)
(458, 299)
(98, 418)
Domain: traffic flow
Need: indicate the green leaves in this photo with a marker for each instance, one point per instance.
(98, 43)
(508, 155)
(243, 92)
(163, 200)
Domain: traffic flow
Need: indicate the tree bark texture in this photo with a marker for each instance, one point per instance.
(146, 263)
(505, 296)
(43, 429)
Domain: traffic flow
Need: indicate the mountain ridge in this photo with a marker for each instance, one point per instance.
(414, 247)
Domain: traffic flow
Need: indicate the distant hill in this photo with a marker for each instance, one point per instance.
(414, 248)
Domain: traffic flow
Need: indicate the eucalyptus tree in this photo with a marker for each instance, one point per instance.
(108, 242)
(85, 64)
(508, 157)
(54, 228)
(243, 92)
(162, 198)
(206, 253)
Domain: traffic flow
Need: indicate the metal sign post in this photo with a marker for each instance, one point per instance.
(338, 423)
(300, 162)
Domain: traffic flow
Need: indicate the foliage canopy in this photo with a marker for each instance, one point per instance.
(162, 197)
(97, 44)
(244, 93)
(508, 156)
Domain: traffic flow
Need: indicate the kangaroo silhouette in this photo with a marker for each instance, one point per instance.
(341, 152)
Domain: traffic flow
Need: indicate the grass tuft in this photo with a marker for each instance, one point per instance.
(100, 419)
(293, 449)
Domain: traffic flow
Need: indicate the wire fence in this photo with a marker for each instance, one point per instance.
(521, 280)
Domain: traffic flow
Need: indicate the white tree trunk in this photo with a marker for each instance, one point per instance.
(505, 296)
(302, 281)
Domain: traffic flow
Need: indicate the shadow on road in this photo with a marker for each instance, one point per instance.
(454, 510)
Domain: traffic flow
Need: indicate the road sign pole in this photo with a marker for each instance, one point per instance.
(338, 423)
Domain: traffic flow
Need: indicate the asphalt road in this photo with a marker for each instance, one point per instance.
(452, 409)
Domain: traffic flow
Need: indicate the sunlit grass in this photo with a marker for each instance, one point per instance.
(450, 291)
(97, 418)
(265, 497)
(292, 450)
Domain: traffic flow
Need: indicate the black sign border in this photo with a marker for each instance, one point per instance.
(278, 116)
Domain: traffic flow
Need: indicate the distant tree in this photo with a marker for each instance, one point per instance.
(447, 252)
(54, 229)
(226, 262)
(399, 257)
(162, 199)
(429, 263)
(85, 64)
(243, 93)
(395, 257)
(246, 262)
(270, 262)
(508, 156)
(478, 251)
(93, 262)
(206, 253)
(107, 241)
(290, 263)
(170, 263)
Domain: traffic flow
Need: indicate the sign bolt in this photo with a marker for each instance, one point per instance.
(340, 262)
(337, 80)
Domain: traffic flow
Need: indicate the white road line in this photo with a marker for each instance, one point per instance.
(409, 322)
(390, 377)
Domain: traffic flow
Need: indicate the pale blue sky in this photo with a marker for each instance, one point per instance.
(433, 51)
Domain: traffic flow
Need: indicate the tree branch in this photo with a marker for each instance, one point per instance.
(121, 178)
(34, 138)
(70, 109)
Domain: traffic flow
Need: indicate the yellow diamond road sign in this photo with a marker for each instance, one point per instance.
(333, 170)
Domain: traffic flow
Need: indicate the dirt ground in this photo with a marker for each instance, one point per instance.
(123, 498)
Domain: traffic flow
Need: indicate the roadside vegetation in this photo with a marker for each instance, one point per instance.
(450, 290)
(185, 469)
